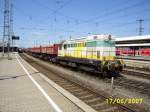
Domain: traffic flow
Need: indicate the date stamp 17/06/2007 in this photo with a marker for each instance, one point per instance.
(124, 100)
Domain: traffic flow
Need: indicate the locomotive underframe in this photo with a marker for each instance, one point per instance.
(81, 63)
(97, 65)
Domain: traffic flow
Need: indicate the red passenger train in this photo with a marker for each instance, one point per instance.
(133, 46)
(130, 52)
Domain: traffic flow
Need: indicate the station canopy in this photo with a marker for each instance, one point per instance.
(133, 41)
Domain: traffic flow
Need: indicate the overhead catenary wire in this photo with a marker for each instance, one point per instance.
(128, 23)
(114, 12)
(77, 21)
(53, 10)
(116, 25)
(130, 6)
(126, 15)
(95, 23)
(63, 5)
(22, 12)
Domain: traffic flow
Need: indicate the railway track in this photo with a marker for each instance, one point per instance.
(139, 68)
(136, 72)
(140, 87)
(93, 99)
(134, 58)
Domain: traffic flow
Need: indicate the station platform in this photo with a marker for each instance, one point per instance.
(24, 89)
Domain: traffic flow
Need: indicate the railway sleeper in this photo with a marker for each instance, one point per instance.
(58, 80)
(68, 85)
(90, 101)
(111, 109)
(61, 81)
(103, 106)
(76, 90)
(81, 93)
(88, 96)
(64, 81)
(97, 102)
(71, 88)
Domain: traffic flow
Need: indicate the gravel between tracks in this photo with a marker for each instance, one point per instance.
(137, 78)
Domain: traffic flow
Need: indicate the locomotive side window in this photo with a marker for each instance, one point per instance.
(65, 46)
(98, 54)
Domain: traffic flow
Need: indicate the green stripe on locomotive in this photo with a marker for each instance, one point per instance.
(96, 43)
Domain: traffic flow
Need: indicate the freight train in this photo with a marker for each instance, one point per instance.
(95, 53)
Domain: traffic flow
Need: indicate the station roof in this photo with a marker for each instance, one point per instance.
(133, 41)
(126, 45)
(143, 37)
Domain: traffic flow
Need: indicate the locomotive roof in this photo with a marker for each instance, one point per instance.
(90, 38)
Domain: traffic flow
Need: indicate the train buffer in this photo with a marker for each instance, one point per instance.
(24, 89)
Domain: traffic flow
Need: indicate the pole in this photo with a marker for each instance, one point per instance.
(11, 28)
(141, 29)
(3, 49)
(70, 37)
(6, 29)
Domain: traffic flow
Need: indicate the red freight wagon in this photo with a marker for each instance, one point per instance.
(35, 49)
(44, 49)
(45, 52)
(53, 49)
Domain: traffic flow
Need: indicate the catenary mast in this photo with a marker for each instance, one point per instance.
(6, 29)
